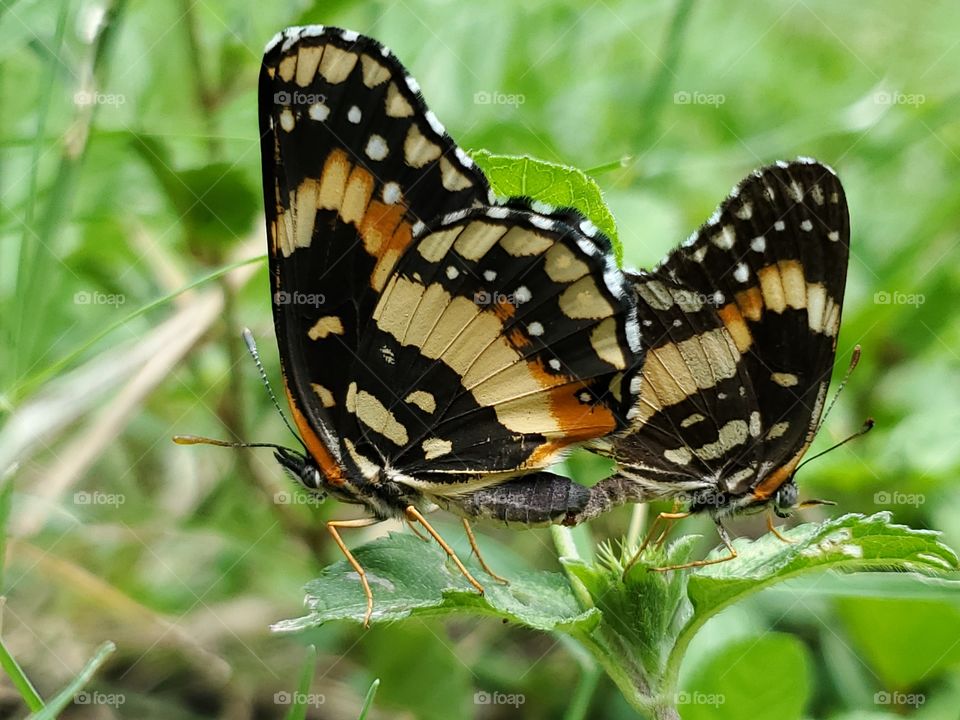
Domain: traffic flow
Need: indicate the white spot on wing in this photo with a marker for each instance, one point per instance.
(535, 329)
(376, 148)
(391, 193)
(434, 123)
(354, 115)
(806, 226)
(542, 222)
(741, 273)
(522, 295)
(319, 112)
(758, 244)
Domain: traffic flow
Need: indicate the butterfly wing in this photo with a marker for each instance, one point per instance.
(352, 162)
(746, 314)
(503, 337)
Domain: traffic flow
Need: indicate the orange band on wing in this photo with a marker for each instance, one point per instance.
(331, 469)
(778, 477)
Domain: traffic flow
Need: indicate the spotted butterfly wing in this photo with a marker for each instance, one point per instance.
(504, 337)
(432, 342)
(352, 161)
(740, 330)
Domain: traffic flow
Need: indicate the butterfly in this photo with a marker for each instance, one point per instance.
(740, 328)
(440, 347)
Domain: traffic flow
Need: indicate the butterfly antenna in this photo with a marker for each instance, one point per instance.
(854, 360)
(255, 354)
(199, 440)
(864, 429)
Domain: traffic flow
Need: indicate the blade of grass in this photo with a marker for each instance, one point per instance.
(66, 696)
(368, 700)
(30, 384)
(19, 679)
(298, 710)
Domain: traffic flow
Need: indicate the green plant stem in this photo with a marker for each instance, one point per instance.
(566, 547)
(629, 680)
(583, 694)
(20, 681)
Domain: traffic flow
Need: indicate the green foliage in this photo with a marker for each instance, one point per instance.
(551, 183)
(638, 623)
(674, 103)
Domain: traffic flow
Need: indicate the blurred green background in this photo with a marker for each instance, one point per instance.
(130, 169)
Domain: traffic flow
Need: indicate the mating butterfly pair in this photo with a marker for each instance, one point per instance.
(443, 347)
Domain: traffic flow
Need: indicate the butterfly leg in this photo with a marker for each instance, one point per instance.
(722, 532)
(414, 514)
(476, 551)
(776, 532)
(665, 518)
(333, 527)
(417, 532)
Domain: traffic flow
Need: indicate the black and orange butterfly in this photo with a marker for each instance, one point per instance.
(439, 346)
(740, 328)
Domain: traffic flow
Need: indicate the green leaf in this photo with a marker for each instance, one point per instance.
(411, 577)
(918, 641)
(557, 185)
(764, 676)
(850, 542)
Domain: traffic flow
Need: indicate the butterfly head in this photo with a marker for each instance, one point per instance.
(302, 469)
(785, 498)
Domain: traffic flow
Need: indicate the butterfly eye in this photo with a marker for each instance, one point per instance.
(785, 499)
